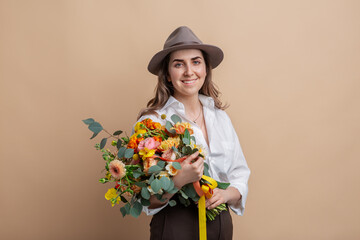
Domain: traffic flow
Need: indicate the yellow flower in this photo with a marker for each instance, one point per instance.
(169, 143)
(163, 116)
(111, 194)
(145, 153)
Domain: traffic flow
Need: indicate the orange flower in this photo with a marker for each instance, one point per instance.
(135, 188)
(158, 138)
(149, 162)
(132, 143)
(181, 127)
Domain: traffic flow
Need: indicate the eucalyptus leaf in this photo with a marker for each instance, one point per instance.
(189, 190)
(94, 135)
(123, 211)
(127, 208)
(118, 144)
(129, 152)
(136, 209)
(175, 118)
(137, 173)
(168, 127)
(172, 203)
(193, 138)
(165, 183)
(206, 169)
(103, 143)
(156, 185)
(88, 121)
(121, 152)
(95, 127)
(161, 164)
(151, 178)
(176, 165)
(174, 149)
(123, 199)
(154, 168)
(145, 193)
(145, 202)
(117, 133)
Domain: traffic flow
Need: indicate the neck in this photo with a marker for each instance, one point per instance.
(191, 103)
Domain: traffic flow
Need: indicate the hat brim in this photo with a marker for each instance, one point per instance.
(215, 54)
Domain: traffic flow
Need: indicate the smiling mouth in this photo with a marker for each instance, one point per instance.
(190, 81)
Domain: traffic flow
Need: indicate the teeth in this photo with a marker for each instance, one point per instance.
(189, 81)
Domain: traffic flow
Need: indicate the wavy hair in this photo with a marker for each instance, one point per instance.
(164, 89)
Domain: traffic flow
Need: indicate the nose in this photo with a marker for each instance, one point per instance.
(188, 71)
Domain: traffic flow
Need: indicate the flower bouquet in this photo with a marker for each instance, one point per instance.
(144, 164)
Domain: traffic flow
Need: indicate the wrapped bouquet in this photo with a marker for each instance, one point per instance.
(144, 164)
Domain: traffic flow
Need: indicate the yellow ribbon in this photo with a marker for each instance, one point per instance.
(206, 192)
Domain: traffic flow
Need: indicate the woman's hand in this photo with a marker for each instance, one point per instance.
(189, 172)
(231, 196)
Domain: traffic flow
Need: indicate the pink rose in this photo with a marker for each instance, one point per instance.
(169, 154)
(149, 143)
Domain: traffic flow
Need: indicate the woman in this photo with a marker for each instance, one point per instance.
(185, 88)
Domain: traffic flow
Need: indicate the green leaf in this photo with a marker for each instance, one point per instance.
(183, 194)
(117, 133)
(135, 211)
(186, 140)
(95, 127)
(154, 168)
(123, 199)
(174, 149)
(172, 203)
(176, 165)
(129, 153)
(222, 185)
(123, 211)
(187, 134)
(88, 121)
(156, 185)
(127, 208)
(188, 150)
(118, 144)
(165, 183)
(121, 152)
(103, 143)
(94, 135)
(145, 202)
(175, 118)
(152, 177)
(140, 184)
(189, 190)
(193, 138)
(137, 173)
(161, 164)
(206, 169)
(145, 193)
(168, 127)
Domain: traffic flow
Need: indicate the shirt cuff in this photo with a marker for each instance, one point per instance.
(239, 207)
(152, 211)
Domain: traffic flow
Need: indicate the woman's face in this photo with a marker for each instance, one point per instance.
(187, 72)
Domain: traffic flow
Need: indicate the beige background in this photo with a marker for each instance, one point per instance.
(291, 74)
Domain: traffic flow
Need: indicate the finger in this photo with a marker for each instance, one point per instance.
(191, 157)
(199, 162)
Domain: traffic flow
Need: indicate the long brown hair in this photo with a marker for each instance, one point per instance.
(164, 89)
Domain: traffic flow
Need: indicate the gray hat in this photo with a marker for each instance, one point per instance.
(184, 38)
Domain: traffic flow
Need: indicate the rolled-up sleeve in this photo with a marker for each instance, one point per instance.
(238, 173)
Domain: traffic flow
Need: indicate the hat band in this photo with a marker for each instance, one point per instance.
(182, 43)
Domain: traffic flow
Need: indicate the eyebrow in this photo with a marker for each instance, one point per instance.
(181, 60)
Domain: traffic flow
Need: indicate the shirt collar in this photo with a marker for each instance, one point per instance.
(205, 101)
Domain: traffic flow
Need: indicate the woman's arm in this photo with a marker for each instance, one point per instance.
(189, 172)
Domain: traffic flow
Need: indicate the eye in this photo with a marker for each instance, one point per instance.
(197, 62)
(177, 65)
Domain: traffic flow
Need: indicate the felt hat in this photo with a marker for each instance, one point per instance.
(184, 38)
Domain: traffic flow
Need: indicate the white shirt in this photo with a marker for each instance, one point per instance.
(224, 155)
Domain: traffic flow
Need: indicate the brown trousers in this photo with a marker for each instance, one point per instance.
(182, 223)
